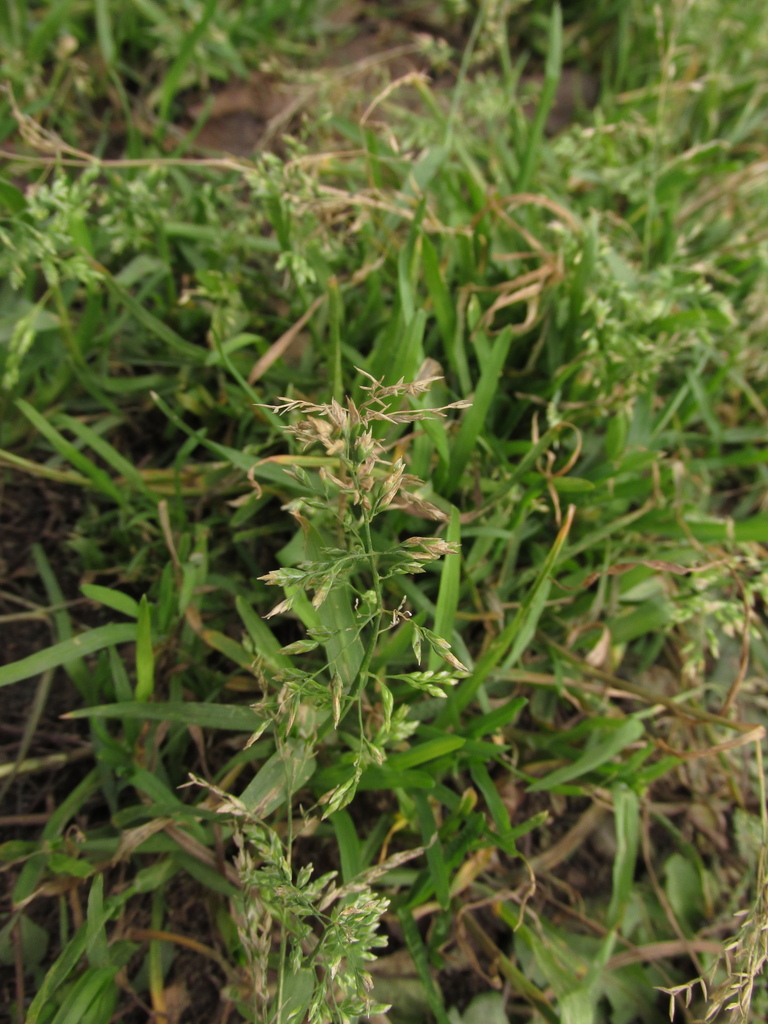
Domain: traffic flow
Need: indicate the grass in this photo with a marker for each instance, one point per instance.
(385, 516)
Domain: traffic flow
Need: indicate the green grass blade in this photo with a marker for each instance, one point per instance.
(114, 599)
(475, 416)
(264, 640)
(63, 653)
(448, 594)
(515, 635)
(424, 752)
(104, 31)
(289, 768)
(173, 78)
(626, 809)
(76, 670)
(184, 349)
(552, 71)
(497, 719)
(62, 967)
(96, 948)
(598, 754)
(495, 804)
(232, 717)
(335, 324)
(348, 843)
(101, 480)
(438, 869)
(106, 451)
(60, 476)
(421, 963)
(49, 27)
(145, 655)
(442, 306)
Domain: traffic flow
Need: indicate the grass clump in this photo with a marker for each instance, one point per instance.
(483, 394)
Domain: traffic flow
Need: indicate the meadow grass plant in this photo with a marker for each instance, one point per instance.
(484, 399)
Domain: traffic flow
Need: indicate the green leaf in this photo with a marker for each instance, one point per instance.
(67, 651)
(577, 1007)
(598, 754)
(63, 864)
(169, 337)
(572, 484)
(264, 640)
(279, 778)
(517, 633)
(100, 480)
(34, 941)
(684, 891)
(88, 988)
(626, 810)
(552, 70)
(145, 655)
(344, 648)
(438, 292)
(438, 869)
(114, 599)
(419, 955)
(475, 416)
(233, 717)
(227, 646)
(428, 751)
(11, 197)
(487, 1008)
(448, 594)
(379, 778)
(104, 31)
(485, 724)
(122, 466)
(96, 947)
(496, 806)
(173, 77)
(348, 843)
(299, 988)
